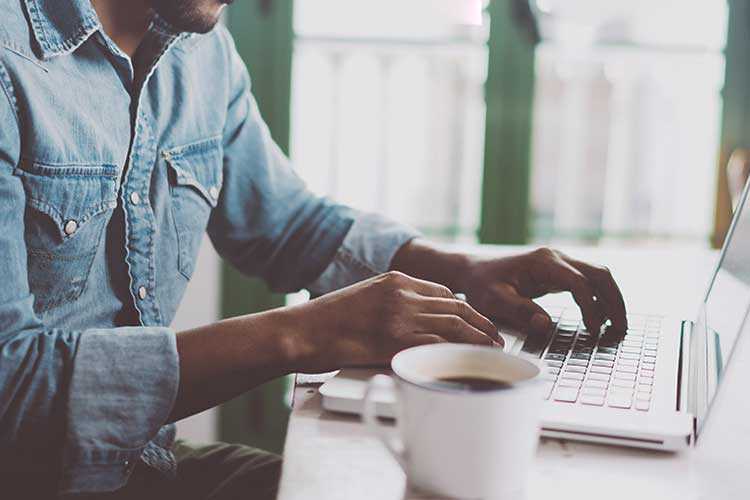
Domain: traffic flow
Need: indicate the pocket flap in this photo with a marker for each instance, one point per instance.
(69, 194)
(198, 165)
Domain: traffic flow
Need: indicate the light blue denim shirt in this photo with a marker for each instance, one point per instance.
(110, 173)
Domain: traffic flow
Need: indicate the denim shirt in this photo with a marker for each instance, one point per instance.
(111, 171)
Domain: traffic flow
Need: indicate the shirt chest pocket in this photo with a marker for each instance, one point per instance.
(67, 208)
(196, 176)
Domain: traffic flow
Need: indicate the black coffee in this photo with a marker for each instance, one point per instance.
(468, 384)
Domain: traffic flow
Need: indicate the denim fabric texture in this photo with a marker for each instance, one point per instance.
(111, 172)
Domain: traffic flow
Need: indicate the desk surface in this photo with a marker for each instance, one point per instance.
(331, 456)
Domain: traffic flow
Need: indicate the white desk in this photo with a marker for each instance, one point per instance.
(330, 456)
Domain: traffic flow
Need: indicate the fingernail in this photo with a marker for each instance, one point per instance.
(539, 322)
(498, 345)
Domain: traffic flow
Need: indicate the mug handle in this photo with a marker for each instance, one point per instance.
(394, 445)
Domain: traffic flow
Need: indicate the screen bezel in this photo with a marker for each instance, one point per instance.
(702, 414)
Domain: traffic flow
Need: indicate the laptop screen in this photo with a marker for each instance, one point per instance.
(724, 315)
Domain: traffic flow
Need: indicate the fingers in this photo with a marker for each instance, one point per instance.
(463, 310)
(519, 312)
(580, 288)
(606, 291)
(452, 328)
(422, 339)
(428, 288)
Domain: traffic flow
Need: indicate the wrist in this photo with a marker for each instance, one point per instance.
(421, 259)
(296, 340)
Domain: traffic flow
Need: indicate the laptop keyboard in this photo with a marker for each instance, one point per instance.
(609, 369)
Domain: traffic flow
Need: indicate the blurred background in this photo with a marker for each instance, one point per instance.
(564, 122)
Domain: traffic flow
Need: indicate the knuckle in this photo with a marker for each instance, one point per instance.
(394, 278)
(605, 272)
(545, 253)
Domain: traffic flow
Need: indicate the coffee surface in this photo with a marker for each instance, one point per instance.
(468, 384)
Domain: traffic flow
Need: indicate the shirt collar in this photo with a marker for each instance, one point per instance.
(61, 26)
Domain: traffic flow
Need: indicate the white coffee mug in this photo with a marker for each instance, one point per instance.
(461, 444)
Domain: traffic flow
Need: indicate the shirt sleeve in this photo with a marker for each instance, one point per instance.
(267, 223)
(80, 403)
(367, 251)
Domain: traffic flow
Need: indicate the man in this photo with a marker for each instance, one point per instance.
(129, 129)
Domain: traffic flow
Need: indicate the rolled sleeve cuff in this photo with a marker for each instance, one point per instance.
(367, 250)
(118, 401)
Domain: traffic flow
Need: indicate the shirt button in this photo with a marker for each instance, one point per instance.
(214, 192)
(142, 292)
(135, 198)
(71, 227)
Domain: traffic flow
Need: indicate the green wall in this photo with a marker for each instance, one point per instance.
(263, 33)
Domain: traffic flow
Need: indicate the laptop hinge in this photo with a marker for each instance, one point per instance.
(683, 368)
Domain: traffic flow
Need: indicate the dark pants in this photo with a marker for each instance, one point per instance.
(208, 472)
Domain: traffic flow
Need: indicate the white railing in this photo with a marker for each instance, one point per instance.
(394, 126)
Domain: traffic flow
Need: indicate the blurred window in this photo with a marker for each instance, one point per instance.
(388, 115)
(627, 120)
(388, 108)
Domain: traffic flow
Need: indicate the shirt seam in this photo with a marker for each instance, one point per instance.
(7, 85)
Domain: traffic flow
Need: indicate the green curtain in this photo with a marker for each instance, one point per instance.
(510, 99)
(262, 30)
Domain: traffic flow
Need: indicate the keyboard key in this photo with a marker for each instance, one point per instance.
(648, 367)
(602, 362)
(643, 396)
(566, 394)
(601, 369)
(578, 362)
(619, 401)
(632, 343)
(607, 351)
(554, 364)
(575, 369)
(631, 350)
(645, 388)
(592, 400)
(550, 378)
(642, 405)
(598, 384)
(624, 384)
(596, 391)
(605, 357)
(580, 355)
(604, 377)
(553, 371)
(555, 357)
(627, 362)
(647, 374)
(625, 376)
(566, 382)
(627, 369)
(572, 376)
(627, 355)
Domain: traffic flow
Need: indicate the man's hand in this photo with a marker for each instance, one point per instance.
(369, 322)
(502, 287)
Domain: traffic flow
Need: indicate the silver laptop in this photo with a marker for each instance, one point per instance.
(651, 387)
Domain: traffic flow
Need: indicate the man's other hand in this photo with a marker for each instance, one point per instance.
(502, 288)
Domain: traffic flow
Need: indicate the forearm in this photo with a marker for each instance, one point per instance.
(421, 259)
(222, 360)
